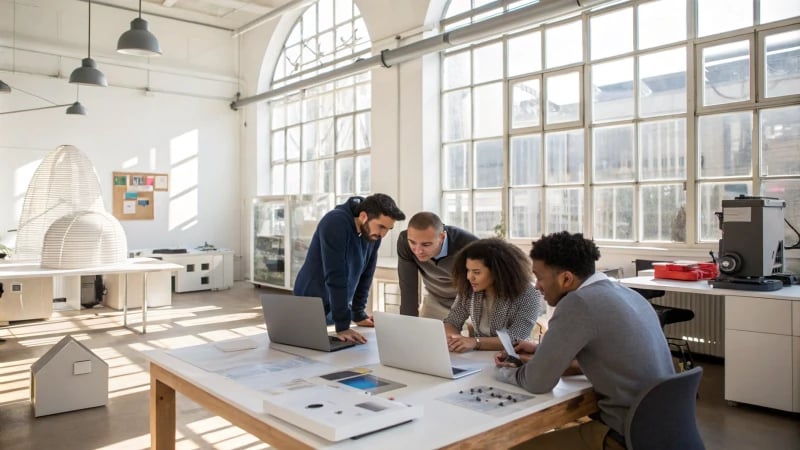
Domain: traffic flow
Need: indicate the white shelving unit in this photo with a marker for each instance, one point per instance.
(282, 230)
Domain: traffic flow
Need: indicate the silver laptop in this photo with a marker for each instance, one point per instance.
(299, 321)
(417, 344)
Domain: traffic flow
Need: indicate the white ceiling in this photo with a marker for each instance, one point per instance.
(228, 14)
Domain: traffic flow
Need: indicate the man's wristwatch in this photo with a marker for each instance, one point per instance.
(477, 343)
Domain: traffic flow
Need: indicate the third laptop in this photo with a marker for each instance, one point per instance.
(299, 321)
(417, 344)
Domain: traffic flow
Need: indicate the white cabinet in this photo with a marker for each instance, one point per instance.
(761, 354)
(796, 373)
(26, 299)
(119, 285)
(202, 269)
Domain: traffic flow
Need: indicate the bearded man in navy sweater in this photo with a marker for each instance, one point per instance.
(341, 260)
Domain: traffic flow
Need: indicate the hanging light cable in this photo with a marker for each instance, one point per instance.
(76, 108)
(88, 73)
(138, 41)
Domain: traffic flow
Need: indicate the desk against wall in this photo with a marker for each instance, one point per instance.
(762, 340)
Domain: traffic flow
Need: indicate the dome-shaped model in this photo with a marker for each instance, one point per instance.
(64, 183)
(84, 239)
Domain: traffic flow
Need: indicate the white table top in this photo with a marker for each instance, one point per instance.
(11, 270)
(703, 287)
(442, 423)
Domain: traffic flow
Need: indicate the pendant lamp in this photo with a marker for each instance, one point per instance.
(88, 73)
(138, 41)
(76, 109)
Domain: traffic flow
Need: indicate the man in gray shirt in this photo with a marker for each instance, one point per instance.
(605, 330)
(428, 248)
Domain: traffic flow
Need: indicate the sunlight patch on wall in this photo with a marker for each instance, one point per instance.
(183, 209)
(184, 147)
(22, 178)
(23, 175)
(184, 178)
(130, 163)
(153, 160)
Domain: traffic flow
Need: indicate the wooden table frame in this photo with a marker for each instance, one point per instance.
(164, 383)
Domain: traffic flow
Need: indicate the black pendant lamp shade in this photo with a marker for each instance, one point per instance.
(138, 41)
(76, 109)
(88, 73)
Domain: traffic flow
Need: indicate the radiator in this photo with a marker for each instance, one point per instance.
(706, 331)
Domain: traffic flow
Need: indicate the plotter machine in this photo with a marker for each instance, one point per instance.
(751, 251)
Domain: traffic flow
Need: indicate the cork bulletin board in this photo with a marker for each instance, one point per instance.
(133, 194)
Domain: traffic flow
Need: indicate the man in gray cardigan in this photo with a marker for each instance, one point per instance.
(600, 328)
(428, 248)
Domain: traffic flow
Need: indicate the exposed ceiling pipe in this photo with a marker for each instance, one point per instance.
(524, 16)
(275, 13)
(155, 14)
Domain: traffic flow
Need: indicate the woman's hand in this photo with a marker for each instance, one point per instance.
(461, 344)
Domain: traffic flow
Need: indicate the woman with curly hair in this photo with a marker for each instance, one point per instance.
(493, 280)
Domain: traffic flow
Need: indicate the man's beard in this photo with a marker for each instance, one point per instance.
(365, 232)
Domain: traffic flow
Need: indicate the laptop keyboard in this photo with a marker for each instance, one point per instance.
(457, 370)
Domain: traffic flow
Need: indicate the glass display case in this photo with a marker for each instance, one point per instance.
(282, 229)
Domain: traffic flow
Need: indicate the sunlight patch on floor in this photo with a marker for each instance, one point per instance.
(222, 318)
(137, 443)
(218, 433)
(178, 342)
(15, 391)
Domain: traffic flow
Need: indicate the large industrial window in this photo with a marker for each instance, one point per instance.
(320, 136)
(627, 122)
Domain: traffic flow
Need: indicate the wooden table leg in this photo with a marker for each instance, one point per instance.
(162, 413)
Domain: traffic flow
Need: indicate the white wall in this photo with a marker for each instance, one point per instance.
(168, 114)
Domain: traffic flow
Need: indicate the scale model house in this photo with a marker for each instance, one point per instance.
(68, 377)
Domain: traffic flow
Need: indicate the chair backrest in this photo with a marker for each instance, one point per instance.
(663, 416)
(644, 264)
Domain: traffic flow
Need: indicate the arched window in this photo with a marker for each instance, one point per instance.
(320, 136)
(630, 122)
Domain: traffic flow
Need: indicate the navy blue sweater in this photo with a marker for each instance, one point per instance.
(339, 266)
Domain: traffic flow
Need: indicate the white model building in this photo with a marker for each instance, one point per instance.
(68, 377)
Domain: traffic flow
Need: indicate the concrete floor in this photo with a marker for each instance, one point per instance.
(196, 318)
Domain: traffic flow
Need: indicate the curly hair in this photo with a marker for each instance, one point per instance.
(510, 268)
(567, 251)
(380, 204)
